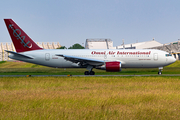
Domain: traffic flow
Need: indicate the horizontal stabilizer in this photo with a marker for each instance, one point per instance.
(20, 55)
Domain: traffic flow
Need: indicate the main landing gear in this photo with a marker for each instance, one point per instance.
(90, 72)
(160, 70)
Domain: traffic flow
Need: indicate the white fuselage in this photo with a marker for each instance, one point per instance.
(129, 58)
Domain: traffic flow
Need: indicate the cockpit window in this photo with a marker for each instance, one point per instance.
(167, 55)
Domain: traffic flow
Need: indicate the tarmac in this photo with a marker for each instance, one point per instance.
(88, 75)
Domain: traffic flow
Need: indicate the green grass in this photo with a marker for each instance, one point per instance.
(5, 64)
(87, 97)
(90, 98)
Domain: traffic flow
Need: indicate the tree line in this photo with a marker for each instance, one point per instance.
(75, 46)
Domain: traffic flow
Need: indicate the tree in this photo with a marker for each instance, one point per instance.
(62, 47)
(76, 46)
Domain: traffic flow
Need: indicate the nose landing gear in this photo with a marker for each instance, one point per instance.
(160, 70)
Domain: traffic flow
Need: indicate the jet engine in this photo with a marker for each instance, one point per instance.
(113, 66)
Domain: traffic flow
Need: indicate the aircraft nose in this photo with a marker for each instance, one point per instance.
(173, 59)
(170, 60)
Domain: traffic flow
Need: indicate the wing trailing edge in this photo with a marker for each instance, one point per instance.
(74, 59)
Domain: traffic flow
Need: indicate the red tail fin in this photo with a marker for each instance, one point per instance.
(22, 42)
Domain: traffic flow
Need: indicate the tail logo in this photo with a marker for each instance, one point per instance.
(17, 34)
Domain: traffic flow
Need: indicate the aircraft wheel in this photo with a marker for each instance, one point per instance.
(92, 72)
(159, 73)
(86, 73)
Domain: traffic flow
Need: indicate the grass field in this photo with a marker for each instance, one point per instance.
(87, 97)
(90, 98)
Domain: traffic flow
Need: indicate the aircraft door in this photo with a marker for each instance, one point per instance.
(47, 56)
(155, 56)
(105, 56)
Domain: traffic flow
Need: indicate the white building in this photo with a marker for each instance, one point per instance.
(141, 45)
(99, 44)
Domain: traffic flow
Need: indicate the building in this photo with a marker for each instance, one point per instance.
(99, 44)
(140, 45)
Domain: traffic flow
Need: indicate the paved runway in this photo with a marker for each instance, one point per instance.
(86, 75)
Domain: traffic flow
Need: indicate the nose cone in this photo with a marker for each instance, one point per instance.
(172, 60)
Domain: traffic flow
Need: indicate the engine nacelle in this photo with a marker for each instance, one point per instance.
(114, 66)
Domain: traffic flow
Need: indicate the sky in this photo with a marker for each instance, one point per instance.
(73, 21)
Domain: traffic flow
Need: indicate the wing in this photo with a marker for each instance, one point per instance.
(82, 61)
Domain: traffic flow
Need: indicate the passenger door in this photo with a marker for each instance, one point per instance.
(155, 56)
(47, 56)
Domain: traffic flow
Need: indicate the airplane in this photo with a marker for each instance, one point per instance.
(111, 60)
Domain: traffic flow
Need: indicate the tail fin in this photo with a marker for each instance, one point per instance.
(22, 42)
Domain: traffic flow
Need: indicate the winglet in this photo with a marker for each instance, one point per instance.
(22, 42)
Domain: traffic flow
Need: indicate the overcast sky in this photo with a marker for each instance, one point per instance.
(73, 21)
